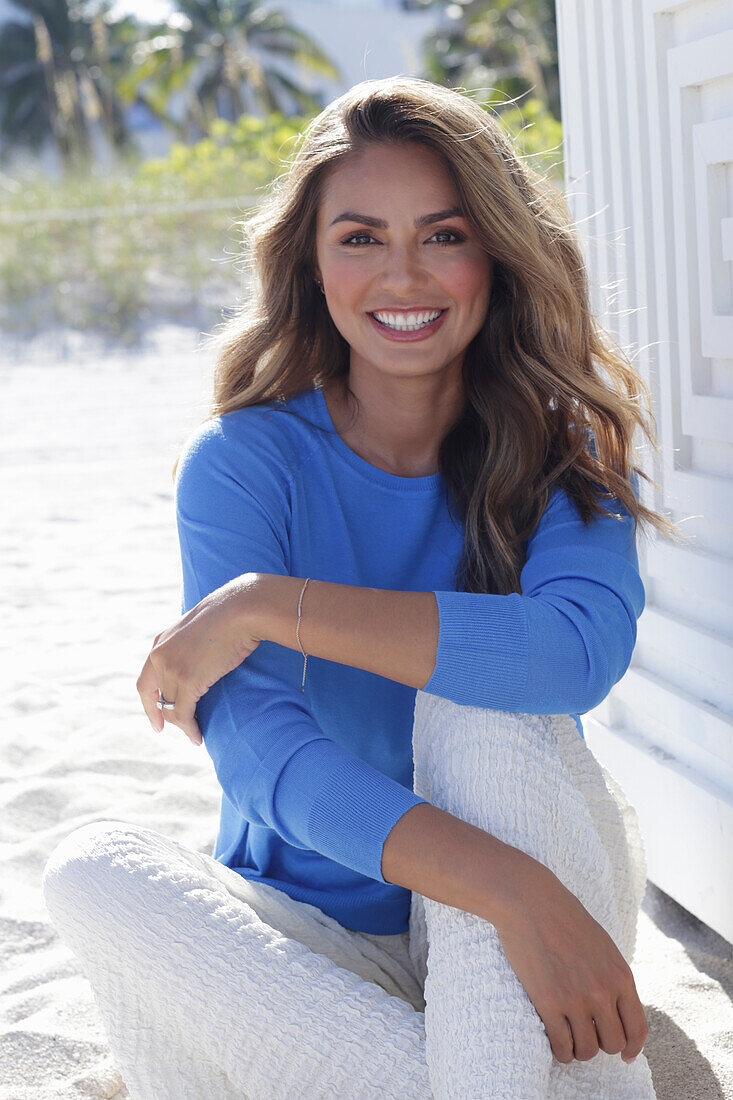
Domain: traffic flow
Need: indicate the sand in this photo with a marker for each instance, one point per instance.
(89, 574)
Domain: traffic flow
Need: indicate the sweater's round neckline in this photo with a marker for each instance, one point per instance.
(428, 483)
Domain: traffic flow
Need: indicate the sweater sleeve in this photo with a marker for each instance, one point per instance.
(560, 645)
(272, 759)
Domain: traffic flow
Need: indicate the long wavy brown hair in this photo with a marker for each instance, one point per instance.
(551, 400)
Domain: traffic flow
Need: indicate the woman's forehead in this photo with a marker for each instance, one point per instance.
(383, 178)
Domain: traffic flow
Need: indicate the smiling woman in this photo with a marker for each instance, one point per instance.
(423, 883)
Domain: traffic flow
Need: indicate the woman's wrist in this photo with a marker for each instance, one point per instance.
(268, 605)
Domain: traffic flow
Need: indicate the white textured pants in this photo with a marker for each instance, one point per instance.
(212, 987)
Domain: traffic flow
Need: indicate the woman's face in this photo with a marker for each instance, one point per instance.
(373, 258)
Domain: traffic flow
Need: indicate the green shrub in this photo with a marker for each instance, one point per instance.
(255, 148)
(117, 261)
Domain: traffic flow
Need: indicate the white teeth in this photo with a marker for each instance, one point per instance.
(407, 322)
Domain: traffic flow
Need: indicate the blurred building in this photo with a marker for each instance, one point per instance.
(366, 39)
(8, 10)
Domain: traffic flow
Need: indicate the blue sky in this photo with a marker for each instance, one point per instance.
(150, 10)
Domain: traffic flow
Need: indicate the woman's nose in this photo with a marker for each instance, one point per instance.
(403, 269)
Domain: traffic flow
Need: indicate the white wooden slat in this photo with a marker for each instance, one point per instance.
(696, 493)
(711, 417)
(686, 822)
(692, 569)
(700, 660)
(658, 6)
(681, 188)
(662, 289)
(574, 137)
(641, 242)
(713, 145)
(695, 733)
(598, 249)
(699, 62)
(726, 239)
(616, 143)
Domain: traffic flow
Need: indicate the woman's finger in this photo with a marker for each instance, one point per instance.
(636, 1026)
(184, 715)
(147, 688)
(585, 1039)
(153, 683)
(610, 1030)
(561, 1038)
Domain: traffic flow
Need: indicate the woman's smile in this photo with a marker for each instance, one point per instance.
(416, 325)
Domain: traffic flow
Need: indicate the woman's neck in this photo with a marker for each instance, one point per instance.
(399, 438)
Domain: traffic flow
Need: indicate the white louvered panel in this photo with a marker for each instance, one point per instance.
(699, 585)
(647, 94)
(686, 820)
(692, 493)
(701, 660)
(647, 704)
(697, 571)
(699, 149)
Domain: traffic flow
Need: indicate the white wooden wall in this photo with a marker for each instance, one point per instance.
(647, 103)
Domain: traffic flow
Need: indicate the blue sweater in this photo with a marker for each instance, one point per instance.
(312, 782)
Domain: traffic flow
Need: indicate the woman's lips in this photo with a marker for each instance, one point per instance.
(418, 334)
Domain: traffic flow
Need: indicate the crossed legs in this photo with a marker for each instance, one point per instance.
(212, 987)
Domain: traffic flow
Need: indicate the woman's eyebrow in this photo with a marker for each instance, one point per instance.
(380, 223)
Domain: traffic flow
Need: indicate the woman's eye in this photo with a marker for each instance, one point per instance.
(449, 233)
(349, 240)
(355, 237)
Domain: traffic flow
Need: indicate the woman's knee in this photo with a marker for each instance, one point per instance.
(77, 871)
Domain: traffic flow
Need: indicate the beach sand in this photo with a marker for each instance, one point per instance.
(89, 573)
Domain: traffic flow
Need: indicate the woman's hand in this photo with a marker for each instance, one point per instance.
(213, 638)
(572, 971)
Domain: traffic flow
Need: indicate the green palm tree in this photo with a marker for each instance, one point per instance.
(505, 46)
(225, 57)
(58, 73)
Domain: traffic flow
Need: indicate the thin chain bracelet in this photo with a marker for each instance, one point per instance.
(297, 634)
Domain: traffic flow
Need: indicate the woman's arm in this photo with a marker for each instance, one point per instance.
(558, 648)
(572, 971)
(381, 630)
(271, 756)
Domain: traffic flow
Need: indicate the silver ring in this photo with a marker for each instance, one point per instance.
(163, 704)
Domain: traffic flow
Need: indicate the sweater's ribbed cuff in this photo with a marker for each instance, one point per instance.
(343, 805)
(482, 657)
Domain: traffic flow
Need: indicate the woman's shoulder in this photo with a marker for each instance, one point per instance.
(257, 440)
(561, 527)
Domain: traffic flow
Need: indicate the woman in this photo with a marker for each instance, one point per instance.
(416, 479)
